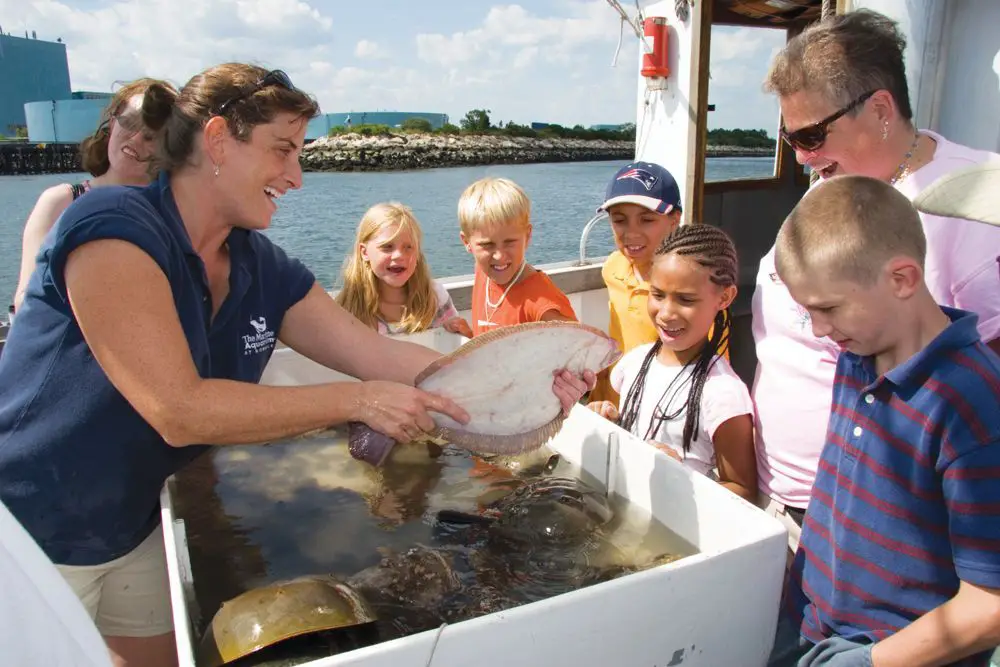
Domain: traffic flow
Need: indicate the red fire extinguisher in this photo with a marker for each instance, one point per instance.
(655, 64)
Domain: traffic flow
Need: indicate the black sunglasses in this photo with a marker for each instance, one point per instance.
(812, 137)
(275, 77)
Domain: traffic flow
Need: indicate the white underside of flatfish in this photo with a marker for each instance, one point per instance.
(505, 383)
(503, 380)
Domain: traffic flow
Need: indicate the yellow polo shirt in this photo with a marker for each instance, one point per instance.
(630, 323)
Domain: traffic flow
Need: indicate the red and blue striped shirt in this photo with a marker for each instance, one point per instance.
(906, 500)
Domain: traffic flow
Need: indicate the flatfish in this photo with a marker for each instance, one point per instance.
(503, 379)
(972, 193)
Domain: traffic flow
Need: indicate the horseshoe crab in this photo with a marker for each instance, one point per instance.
(548, 511)
(266, 616)
(407, 588)
(545, 538)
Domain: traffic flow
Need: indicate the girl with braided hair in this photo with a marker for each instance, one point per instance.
(678, 393)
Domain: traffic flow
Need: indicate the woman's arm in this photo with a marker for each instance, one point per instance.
(123, 304)
(47, 210)
(319, 328)
(735, 457)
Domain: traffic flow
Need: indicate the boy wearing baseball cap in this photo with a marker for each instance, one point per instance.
(644, 204)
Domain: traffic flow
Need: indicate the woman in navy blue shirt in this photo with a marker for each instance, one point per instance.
(145, 330)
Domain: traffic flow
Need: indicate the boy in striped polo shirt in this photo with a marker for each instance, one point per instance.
(899, 560)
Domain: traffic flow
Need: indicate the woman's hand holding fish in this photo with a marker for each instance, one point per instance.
(400, 411)
(606, 409)
(570, 388)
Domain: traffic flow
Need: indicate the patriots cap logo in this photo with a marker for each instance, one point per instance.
(647, 179)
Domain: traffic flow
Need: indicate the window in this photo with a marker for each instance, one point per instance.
(742, 119)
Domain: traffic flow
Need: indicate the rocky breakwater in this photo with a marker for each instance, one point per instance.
(354, 152)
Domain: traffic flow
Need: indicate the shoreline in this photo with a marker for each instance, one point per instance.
(391, 152)
(399, 152)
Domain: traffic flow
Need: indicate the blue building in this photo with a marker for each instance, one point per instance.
(67, 121)
(30, 70)
(321, 126)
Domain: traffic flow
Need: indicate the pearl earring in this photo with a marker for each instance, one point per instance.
(885, 131)
(217, 166)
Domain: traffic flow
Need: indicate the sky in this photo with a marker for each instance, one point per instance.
(541, 60)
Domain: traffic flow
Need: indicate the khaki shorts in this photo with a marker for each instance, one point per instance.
(788, 519)
(129, 596)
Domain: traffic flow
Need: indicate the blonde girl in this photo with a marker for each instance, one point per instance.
(387, 283)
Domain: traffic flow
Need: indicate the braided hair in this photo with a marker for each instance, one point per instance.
(713, 249)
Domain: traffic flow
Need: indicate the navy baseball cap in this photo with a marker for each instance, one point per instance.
(644, 183)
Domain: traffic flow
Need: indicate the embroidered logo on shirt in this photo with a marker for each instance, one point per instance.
(802, 318)
(641, 175)
(261, 340)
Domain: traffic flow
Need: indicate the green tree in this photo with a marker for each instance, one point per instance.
(477, 120)
(417, 125)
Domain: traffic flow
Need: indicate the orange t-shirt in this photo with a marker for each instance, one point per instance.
(527, 301)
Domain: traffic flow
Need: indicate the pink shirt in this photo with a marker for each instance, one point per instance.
(794, 383)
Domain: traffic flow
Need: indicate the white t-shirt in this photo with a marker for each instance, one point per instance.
(42, 622)
(723, 397)
(445, 311)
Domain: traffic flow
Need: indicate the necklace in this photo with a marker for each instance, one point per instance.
(904, 166)
(486, 299)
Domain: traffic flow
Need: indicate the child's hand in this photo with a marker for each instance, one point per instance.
(606, 409)
(666, 449)
(458, 325)
(570, 388)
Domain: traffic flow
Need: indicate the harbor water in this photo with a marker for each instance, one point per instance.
(317, 223)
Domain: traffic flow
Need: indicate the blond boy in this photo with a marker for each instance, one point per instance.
(899, 562)
(495, 219)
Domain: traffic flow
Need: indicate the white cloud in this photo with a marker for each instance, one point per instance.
(525, 57)
(512, 26)
(523, 63)
(366, 49)
(174, 39)
(739, 61)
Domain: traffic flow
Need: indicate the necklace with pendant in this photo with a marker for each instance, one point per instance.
(487, 304)
(904, 166)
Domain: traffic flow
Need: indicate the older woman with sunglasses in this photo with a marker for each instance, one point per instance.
(116, 154)
(143, 336)
(845, 107)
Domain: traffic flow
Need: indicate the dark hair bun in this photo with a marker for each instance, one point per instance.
(157, 105)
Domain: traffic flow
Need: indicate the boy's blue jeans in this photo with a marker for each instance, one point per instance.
(791, 650)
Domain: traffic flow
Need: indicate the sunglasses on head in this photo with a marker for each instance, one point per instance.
(812, 137)
(275, 77)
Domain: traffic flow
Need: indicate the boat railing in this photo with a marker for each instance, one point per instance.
(586, 232)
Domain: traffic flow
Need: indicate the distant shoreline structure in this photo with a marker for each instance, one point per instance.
(397, 152)
(394, 152)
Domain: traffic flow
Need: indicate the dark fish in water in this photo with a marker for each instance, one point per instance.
(407, 589)
(545, 511)
(503, 379)
(419, 577)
